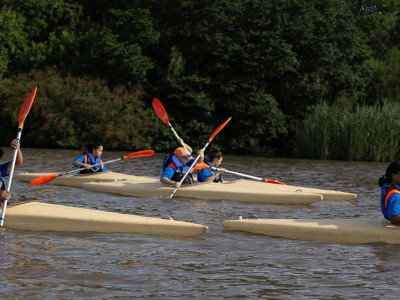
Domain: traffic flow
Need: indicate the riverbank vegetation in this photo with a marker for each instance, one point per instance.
(339, 132)
(268, 64)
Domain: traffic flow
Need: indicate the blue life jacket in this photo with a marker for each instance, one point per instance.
(171, 160)
(387, 190)
(90, 160)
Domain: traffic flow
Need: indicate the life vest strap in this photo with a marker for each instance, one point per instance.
(390, 193)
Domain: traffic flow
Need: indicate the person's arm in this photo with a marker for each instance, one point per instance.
(213, 176)
(167, 175)
(180, 141)
(20, 159)
(395, 220)
(79, 162)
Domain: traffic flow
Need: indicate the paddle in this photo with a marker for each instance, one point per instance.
(198, 156)
(47, 178)
(249, 176)
(23, 113)
(162, 114)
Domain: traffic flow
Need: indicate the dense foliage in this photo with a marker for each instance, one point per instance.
(265, 63)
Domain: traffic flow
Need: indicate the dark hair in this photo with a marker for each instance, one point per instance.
(393, 168)
(214, 153)
(93, 146)
(1, 153)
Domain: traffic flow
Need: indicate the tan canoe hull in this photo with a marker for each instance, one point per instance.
(333, 230)
(203, 191)
(240, 190)
(36, 216)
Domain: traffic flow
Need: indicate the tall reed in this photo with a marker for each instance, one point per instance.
(337, 132)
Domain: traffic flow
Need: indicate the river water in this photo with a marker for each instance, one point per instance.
(216, 265)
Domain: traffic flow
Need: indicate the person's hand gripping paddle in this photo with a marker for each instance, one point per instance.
(23, 113)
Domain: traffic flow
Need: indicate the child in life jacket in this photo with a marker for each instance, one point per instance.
(177, 165)
(90, 158)
(390, 193)
(5, 169)
(215, 160)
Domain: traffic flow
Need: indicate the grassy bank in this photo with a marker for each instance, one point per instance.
(337, 132)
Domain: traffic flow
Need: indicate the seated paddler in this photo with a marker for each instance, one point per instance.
(177, 165)
(208, 171)
(390, 193)
(90, 161)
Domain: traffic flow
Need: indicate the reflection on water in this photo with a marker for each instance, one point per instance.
(218, 264)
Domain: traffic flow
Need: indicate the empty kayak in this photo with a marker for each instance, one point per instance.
(37, 216)
(328, 195)
(357, 231)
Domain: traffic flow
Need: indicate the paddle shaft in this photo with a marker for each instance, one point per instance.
(239, 174)
(95, 165)
(249, 176)
(10, 177)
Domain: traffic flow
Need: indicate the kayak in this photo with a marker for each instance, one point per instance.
(328, 195)
(243, 185)
(37, 216)
(78, 180)
(203, 191)
(240, 190)
(357, 231)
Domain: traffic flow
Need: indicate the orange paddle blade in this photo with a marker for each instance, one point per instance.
(44, 179)
(218, 130)
(144, 153)
(274, 181)
(160, 111)
(26, 107)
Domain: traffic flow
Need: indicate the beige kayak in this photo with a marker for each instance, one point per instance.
(240, 190)
(204, 191)
(37, 216)
(332, 230)
(328, 195)
(78, 180)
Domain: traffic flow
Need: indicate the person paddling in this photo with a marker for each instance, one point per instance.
(390, 192)
(179, 164)
(215, 160)
(90, 158)
(5, 169)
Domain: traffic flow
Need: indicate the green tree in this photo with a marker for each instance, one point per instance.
(257, 61)
(12, 37)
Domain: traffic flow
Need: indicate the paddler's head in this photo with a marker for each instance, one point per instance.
(182, 154)
(392, 174)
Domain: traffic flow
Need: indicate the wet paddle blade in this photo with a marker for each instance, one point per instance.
(26, 107)
(274, 181)
(44, 179)
(218, 130)
(160, 111)
(144, 153)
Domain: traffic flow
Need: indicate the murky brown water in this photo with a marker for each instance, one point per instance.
(215, 265)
